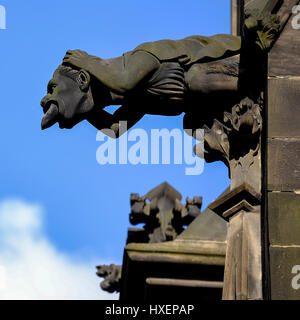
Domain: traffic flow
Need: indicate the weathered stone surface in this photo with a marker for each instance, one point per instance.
(240, 198)
(242, 278)
(243, 272)
(284, 218)
(285, 11)
(282, 262)
(207, 226)
(283, 159)
(236, 16)
(282, 58)
(179, 251)
(189, 271)
(283, 109)
(284, 164)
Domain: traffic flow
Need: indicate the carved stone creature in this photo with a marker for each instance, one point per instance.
(165, 77)
(112, 276)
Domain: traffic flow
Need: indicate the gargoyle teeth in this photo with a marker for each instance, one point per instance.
(50, 117)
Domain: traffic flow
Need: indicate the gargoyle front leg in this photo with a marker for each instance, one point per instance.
(100, 119)
(104, 120)
(127, 113)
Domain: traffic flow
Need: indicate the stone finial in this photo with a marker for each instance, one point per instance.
(162, 213)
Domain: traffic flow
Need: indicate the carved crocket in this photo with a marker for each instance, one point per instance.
(166, 77)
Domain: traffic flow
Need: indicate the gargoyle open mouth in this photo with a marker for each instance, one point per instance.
(51, 115)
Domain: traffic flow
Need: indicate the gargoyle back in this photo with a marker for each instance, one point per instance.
(192, 49)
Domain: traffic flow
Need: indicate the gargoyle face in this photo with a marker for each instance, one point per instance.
(68, 98)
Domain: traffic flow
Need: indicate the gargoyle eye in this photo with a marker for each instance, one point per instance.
(51, 88)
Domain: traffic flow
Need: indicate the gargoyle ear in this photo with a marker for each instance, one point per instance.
(83, 80)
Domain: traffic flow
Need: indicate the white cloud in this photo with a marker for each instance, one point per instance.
(32, 268)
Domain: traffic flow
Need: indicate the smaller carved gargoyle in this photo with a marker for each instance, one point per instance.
(112, 276)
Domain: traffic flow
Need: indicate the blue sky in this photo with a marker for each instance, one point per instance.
(87, 205)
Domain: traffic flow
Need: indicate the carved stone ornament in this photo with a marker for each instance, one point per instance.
(162, 213)
(236, 142)
(262, 27)
(112, 277)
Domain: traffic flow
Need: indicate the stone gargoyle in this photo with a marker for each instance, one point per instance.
(197, 75)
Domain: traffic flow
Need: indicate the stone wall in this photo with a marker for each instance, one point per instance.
(282, 162)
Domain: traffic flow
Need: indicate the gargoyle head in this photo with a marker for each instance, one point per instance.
(68, 98)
